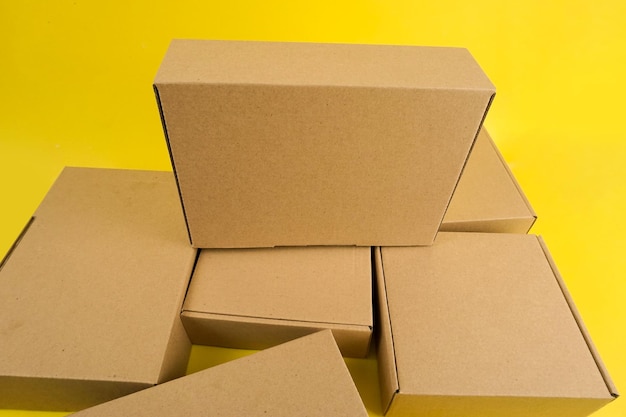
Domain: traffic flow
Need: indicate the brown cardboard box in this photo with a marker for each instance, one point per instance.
(482, 325)
(91, 293)
(257, 298)
(298, 144)
(304, 377)
(488, 198)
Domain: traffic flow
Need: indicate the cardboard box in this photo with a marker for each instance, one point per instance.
(91, 292)
(297, 144)
(257, 298)
(488, 198)
(304, 377)
(482, 325)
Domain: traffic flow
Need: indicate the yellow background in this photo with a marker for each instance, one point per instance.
(75, 89)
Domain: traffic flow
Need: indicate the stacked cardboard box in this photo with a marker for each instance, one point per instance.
(313, 181)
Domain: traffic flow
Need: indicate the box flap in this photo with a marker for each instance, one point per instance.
(311, 284)
(387, 371)
(460, 307)
(104, 268)
(305, 377)
(487, 197)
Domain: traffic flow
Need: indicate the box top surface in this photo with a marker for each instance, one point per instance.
(319, 64)
(487, 190)
(304, 377)
(92, 289)
(313, 284)
(485, 315)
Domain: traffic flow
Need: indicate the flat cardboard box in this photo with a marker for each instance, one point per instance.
(481, 324)
(488, 198)
(303, 144)
(304, 377)
(257, 298)
(91, 292)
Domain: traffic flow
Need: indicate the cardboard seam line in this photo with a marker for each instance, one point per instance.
(279, 319)
(393, 345)
(17, 241)
(579, 322)
(169, 151)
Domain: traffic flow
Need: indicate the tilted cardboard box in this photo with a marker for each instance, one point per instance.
(257, 298)
(296, 144)
(91, 293)
(488, 198)
(481, 324)
(304, 377)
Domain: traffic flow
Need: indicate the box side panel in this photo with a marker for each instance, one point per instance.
(473, 143)
(177, 353)
(167, 141)
(612, 390)
(488, 193)
(262, 166)
(178, 349)
(512, 177)
(449, 406)
(23, 393)
(387, 371)
(510, 225)
(254, 333)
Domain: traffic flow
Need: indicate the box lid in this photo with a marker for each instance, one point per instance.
(486, 315)
(295, 144)
(304, 377)
(93, 290)
(487, 197)
(311, 284)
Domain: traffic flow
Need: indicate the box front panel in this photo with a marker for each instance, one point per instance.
(460, 406)
(274, 166)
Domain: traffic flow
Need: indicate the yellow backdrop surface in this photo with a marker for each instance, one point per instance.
(75, 89)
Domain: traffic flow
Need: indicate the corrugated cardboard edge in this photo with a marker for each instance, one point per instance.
(238, 332)
(178, 349)
(480, 126)
(387, 368)
(17, 241)
(594, 352)
(514, 181)
(169, 151)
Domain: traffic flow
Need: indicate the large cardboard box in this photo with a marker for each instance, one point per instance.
(304, 377)
(257, 298)
(488, 198)
(91, 293)
(481, 324)
(296, 144)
